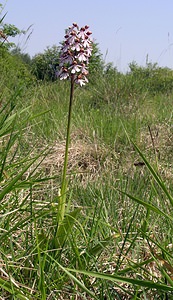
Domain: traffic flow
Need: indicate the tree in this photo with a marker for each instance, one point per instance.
(151, 78)
(13, 71)
(96, 61)
(7, 30)
(44, 65)
(24, 57)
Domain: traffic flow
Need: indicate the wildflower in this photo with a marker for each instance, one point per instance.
(66, 47)
(75, 68)
(81, 80)
(84, 69)
(72, 37)
(63, 73)
(75, 53)
(82, 33)
(87, 42)
(77, 45)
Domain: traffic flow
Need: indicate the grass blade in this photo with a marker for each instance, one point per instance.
(154, 174)
(116, 278)
(147, 205)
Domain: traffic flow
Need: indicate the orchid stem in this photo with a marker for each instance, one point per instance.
(62, 198)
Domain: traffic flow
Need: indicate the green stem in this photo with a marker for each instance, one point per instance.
(62, 198)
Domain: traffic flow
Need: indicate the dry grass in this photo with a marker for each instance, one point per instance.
(86, 160)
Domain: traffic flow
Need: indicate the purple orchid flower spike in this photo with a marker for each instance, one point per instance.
(75, 54)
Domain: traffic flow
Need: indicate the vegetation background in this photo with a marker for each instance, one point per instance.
(116, 240)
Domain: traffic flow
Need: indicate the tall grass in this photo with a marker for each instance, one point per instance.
(116, 239)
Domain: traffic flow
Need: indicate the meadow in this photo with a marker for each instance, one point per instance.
(116, 240)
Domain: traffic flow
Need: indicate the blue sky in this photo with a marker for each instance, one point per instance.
(126, 31)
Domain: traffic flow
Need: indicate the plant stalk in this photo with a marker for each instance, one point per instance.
(62, 198)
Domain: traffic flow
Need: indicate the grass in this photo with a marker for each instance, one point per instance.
(116, 239)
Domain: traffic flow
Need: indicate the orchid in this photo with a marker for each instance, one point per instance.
(74, 58)
(75, 68)
(81, 80)
(75, 54)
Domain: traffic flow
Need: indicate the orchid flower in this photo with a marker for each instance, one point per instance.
(75, 54)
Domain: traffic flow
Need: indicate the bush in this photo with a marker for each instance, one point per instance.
(13, 72)
(44, 64)
(151, 78)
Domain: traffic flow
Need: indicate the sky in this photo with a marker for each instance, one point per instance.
(126, 31)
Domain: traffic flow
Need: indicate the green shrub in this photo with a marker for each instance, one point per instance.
(151, 78)
(13, 72)
(44, 64)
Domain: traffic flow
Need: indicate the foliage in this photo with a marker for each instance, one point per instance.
(44, 65)
(13, 72)
(11, 30)
(152, 78)
(7, 30)
(140, 82)
(123, 245)
(24, 57)
(119, 228)
(96, 64)
(115, 241)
